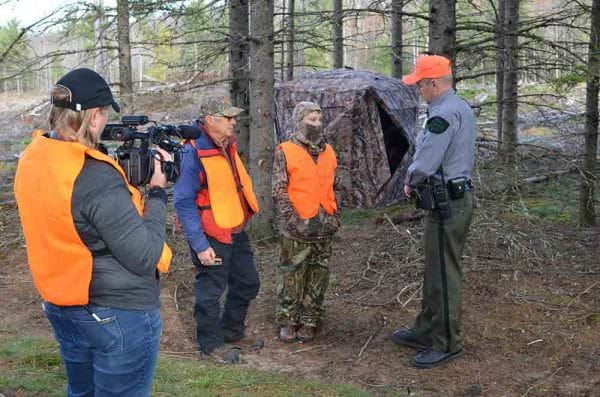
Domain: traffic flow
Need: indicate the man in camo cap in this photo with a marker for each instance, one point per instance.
(303, 179)
(443, 162)
(214, 199)
(218, 106)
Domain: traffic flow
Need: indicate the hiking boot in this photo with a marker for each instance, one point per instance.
(407, 337)
(432, 358)
(287, 334)
(306, 333)
(246, 343)
(224, 355)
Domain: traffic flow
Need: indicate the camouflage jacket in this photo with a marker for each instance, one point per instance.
(322, 225)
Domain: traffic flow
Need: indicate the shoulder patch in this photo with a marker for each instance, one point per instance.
(437, 125)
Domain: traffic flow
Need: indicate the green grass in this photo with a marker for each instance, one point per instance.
(33, 366)
(193, 378)
(556, 200)
(359, 217)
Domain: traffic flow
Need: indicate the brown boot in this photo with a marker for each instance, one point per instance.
(287, 334)
(306, 333)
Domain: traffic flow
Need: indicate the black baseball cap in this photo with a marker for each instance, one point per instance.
(88, 90)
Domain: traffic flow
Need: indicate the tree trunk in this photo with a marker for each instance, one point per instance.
(283, 29)
(587, 213)
(100, 31)
(510, 108)
(338, 35)
(125, 80)
(238, 69)
(290, 40)
(500, 56)
(442, 29)
(397, 38)
(261, 112)
(301, 36)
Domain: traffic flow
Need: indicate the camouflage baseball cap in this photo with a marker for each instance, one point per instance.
(218, 106)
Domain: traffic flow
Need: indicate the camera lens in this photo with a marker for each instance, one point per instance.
(119, 133)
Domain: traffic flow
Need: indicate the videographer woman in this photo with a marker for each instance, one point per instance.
(93, 245)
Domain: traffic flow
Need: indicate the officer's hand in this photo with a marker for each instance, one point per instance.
(407, 190)
(158, 177)
(207, 257)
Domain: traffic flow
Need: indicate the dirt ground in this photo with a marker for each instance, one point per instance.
(531, 304)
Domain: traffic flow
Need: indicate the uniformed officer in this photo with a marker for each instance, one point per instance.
(443, 163)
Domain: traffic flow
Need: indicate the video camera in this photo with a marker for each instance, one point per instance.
(135, 155)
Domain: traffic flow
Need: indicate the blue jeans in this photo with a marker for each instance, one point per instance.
(106, 351)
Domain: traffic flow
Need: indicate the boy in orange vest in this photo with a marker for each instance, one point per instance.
(303, 179)
(214, 199)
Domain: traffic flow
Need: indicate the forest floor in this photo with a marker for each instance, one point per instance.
(531, 302)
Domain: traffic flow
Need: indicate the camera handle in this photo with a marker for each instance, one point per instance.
(168, 167)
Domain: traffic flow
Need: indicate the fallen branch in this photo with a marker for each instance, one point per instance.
(370, 338)
(364, 273)
(265, 238)
(541, 383)
(175, 298)
(190, 357)
(377, 285)
(411, 297)
(413, 216)
(582, 293)
(411, 285)
(387, 217)
(194, 352)
(396, 297)
(533, 342)
(366, 344)
(541, 178)
(313, 348)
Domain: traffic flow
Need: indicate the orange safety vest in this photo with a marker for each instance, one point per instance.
(220, 205)
(60, 263)
(310, 185)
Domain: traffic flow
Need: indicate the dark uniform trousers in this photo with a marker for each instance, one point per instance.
(303, 278)
(238, 274)
(438, 323)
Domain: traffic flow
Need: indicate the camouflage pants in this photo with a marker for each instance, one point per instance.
(302, 279)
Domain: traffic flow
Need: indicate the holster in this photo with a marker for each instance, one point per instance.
(433, 195)
(425, 199)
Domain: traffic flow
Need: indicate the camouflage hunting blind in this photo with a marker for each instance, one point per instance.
(369, 119)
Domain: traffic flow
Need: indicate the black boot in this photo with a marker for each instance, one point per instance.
(432, 358)
(408, 337)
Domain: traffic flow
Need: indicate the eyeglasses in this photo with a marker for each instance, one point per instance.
(424, 82)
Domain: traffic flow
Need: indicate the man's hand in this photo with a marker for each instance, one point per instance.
(408, 190)
(158, 177)
(207, 257)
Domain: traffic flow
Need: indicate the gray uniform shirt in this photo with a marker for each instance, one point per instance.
(448, 139)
